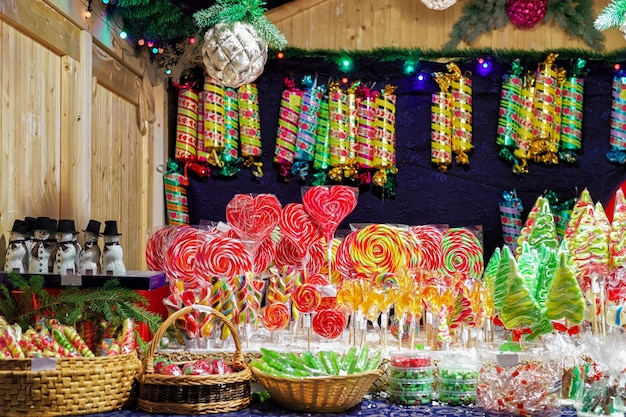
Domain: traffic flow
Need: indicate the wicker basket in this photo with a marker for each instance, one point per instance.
(194, 394)
(319, 394)
(75, 385)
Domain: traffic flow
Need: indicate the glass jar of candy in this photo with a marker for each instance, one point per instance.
(519, 379)
(410, 379)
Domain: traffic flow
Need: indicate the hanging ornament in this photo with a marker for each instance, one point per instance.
(438, 4)
(236, 42)
(525, 14)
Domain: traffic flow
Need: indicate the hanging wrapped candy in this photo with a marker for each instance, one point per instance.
(321, 160)
(175, 195)
(307, 126)
(353, 120)
(339, 131)
(230, 153)
(544, 148)
(441, 125)
(511, 218)
(385, 141)
(250, 128)
(366, 129)
(461, 89)
(572, 113)
(561, 76)
(508, 120)
(213, 121)
(186, 125)
(617, 139)
(289, 112)
(201, 152)
(525, 132)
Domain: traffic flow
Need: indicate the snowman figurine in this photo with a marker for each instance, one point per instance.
(89, 256)
(64, 259)
(17, 250)
(113, 254)
(42, 247)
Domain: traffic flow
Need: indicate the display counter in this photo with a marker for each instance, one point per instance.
(367, 408)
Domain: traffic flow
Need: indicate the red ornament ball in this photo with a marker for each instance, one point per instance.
(525, 14)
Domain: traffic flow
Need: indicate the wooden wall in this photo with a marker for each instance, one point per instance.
(370, 24)
(73, 141)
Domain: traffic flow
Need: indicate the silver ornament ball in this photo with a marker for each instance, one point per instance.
(234, 54)
(439, 4)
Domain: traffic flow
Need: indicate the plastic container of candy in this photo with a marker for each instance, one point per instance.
(410, 397)
(411, 359)
(464, 398)
(410, 385)
(519, 379)
(411, 373)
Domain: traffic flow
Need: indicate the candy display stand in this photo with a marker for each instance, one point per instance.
(319, 394)
(66, 386)
(194, 394)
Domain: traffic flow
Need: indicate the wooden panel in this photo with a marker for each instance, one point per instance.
(29, 128)
(119, 155)
(370, 24)
(114, 76)
(44, 24)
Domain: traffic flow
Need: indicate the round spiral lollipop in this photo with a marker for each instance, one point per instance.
(275, 316)
(223, 257)
(264, 256)
(306, 298)
(156, 246)
(287, 254)
(378, 248)
(329, 323)
(343, 261)
(430, 239)
(316, 258)
(463, 253)
(180, 259)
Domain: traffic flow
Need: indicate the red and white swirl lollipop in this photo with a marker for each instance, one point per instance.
(329, 205)
(158, 243)
(329, 323)
(430, 239)
(253, 216)
(343, 260)
(299, 226)
(180, 259)
(223, 257)
(264, 255)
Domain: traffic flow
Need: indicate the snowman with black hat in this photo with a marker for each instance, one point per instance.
(42, 246)
(64, 259)
(17, 250)
(113, 254)
(89, 256)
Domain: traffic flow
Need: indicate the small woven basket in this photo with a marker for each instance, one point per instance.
(319, 394)
(75, 386)
(194, 394)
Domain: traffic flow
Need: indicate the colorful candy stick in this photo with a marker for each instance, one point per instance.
(441, 126)
(290, 102)
(461, 90)
(230, 153)
(617, 139)
(250, 128)
(186, 125)
(213, 120)
(543, 148)
(77, 342)
(366, 131)
(508, 121)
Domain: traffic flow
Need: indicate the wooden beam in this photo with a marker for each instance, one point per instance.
(42, 23)
(290, 9)
(115, 77)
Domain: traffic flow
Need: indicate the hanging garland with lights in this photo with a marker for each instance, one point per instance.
(575, 17)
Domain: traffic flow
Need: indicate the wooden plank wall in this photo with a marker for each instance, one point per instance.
(70, 142)
(370, 24)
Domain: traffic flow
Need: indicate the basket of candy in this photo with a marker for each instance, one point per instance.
(198, 385)
(52, 372)
(319, 382)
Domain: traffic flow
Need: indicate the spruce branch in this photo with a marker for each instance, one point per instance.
(479, 17)
(612, 16)
(575, 17)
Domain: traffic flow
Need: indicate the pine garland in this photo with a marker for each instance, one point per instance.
(110, 302)
(482, 16)
(245, 11)
(612, 16)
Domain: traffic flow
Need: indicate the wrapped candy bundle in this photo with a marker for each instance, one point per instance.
(461, 89)
(230, 154)
(508, 121)
(617, 141)
(572, 113)
(544, 147)
(186, 125)
(307, 127)
(250, 128)
(441, 125)
(290, 102)
(385, 139)
(213, 121)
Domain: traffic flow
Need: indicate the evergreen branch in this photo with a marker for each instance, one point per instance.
(479, 17)
(268, 31)
(612, 16)
(576, 19)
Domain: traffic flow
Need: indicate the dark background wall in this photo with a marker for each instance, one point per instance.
(461, 197)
